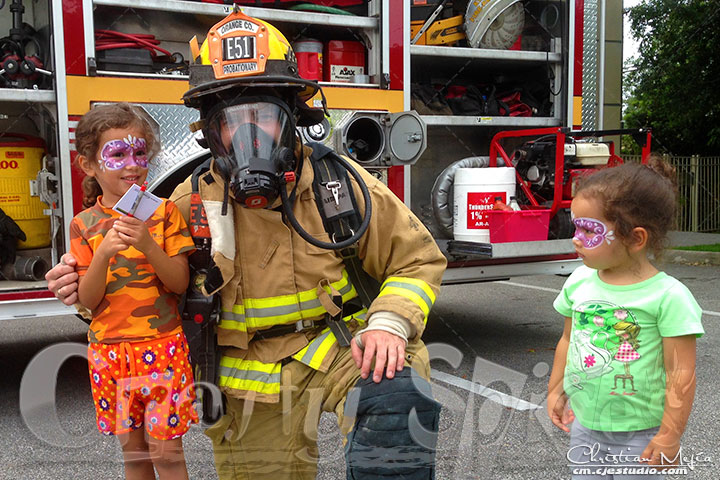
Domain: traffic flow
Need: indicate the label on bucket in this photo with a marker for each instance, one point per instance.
(345, 73)
(478, 203)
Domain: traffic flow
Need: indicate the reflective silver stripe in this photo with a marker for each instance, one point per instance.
(313, 347)
(413, 288)
(252, 375)
(268, 312)
(234, 317)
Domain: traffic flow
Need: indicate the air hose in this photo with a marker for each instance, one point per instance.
(288, 210)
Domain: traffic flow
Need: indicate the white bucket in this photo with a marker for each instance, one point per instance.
(475, 190)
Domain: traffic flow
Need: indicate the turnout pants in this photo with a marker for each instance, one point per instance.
(278, 441)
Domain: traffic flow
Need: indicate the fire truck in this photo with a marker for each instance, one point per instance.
(419, 92)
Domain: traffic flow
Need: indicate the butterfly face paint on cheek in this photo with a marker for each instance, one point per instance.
(117, 154)
(592, 232)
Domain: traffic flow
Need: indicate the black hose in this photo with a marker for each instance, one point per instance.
(288, 207)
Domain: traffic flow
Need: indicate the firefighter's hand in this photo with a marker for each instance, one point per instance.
(134, 231)
(63, 280)
(382, 347)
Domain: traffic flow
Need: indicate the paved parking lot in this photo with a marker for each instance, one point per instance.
(493, 347)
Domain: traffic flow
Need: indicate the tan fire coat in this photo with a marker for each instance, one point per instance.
(272, 276)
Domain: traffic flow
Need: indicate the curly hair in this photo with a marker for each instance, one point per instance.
(636, 195)
(101, 119)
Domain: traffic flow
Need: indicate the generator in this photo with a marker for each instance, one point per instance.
(548, 167)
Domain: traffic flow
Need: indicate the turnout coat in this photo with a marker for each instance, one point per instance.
(272, 276)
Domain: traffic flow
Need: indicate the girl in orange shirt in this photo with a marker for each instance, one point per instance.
(131, 275)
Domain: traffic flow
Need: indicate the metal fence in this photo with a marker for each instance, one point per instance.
(699, 191)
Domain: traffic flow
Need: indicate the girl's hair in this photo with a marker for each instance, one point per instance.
(96, 122)
(636, 195)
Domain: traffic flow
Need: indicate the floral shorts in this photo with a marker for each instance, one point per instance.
(147, 382)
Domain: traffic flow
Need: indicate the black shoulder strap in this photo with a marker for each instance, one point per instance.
(340, 215)
(200, 313)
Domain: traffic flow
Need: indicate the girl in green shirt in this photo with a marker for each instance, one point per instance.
(623, 378)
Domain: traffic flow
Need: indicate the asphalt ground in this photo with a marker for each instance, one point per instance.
(492, 343)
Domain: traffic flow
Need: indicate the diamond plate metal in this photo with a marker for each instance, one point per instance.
(590, 66)
(178, 142)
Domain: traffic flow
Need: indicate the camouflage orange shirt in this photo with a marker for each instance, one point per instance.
(136, 304)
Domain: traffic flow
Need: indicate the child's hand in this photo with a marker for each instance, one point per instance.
(135, 232)
(662, 450)
(111, 244)
(559, 411)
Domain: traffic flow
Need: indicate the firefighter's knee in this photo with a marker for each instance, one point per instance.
(395, 431)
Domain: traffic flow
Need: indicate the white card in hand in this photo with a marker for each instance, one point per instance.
(145, 208)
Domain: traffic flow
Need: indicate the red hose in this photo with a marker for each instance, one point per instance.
(110, 39)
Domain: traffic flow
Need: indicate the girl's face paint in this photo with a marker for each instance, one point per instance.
(122, 162)
(592, 232)
(117, 154)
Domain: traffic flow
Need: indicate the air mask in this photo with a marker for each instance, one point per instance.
(252, 142)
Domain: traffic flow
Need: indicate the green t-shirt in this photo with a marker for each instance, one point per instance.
(615, 372)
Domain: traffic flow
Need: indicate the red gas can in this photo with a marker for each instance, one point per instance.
(343, 60)
(309, 54)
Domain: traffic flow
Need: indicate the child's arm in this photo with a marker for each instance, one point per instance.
(91, 286)
(557, 401)
(173, 271)
(680, 381)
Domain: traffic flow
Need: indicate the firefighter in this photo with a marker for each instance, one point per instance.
(282, 359)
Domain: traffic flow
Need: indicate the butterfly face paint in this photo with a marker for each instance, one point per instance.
(117, 154)
(592, 232)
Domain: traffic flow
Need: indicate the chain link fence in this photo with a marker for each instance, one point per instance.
(698, 181)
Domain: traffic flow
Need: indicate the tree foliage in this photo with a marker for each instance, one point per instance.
(674, 83)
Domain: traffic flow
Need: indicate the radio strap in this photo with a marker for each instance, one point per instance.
(200, 313)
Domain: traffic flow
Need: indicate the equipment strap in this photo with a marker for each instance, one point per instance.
(303, 325)
(200, 313)
(340, 215)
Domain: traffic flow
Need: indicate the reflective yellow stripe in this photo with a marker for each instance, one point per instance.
(412, 296)
(314, 353)
(234, 320)
(258, 313)
(250, 375)
(423, 286)
(256, 376)
(417, 291)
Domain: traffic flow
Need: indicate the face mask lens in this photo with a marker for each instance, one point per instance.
(243, 132)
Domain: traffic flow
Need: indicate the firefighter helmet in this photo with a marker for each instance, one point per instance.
(242, 54)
